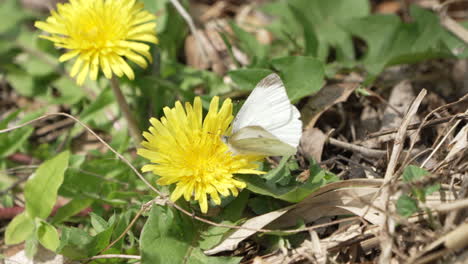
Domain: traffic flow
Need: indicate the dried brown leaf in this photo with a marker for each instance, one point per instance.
(324, 99)
(312, 142)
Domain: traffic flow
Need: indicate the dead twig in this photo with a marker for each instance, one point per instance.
(367, 152)
(423, 124)
(188, 19)
(389, 225)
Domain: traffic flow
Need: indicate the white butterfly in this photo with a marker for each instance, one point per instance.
(267, 124)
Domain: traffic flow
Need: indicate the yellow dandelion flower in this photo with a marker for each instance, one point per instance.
(100, 34)
(186, 150)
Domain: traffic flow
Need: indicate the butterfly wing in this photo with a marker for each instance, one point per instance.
(255, 140)
(269, 107)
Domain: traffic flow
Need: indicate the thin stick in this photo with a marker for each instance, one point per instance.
(456, 29)
(388, 230)
(451, 206)
(142, 209)
(132, 124)
(380, 98)
(400, 137)
(430, 123)
(185, 15)
(367, 152)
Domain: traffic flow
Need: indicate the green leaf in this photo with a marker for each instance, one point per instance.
(311, 41)
(231, 214)
(413, 173)
(74, 243)
(35, 62)
(77, 244)
(302, 76)
(170, 237)
(265, 204)
(19, 229)
(275, 175)
(30, 247)
(391, 41)
(98, 223)
(247, 79)
(70, 209)
(326, 18)
(100, 241)
(456, 46)
(166, 237)
(22, 82)
(13, 140)
(70, 92)
(294, 192)
(406, 206)
(40, 191)
(431, 189)
(12, 14)
(99, 104)
(48, 235)
(235, 209)
(120, 226)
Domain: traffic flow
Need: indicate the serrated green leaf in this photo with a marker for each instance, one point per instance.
(406, 206)
(40, 191)
(19, 229)
(48, 236)
(302, 76)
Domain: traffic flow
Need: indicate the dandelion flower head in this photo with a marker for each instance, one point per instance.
(100, 34)
(186, 150)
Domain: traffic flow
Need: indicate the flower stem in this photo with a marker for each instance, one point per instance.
(132, 124)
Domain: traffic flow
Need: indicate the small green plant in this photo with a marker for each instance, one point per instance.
(408, 203)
